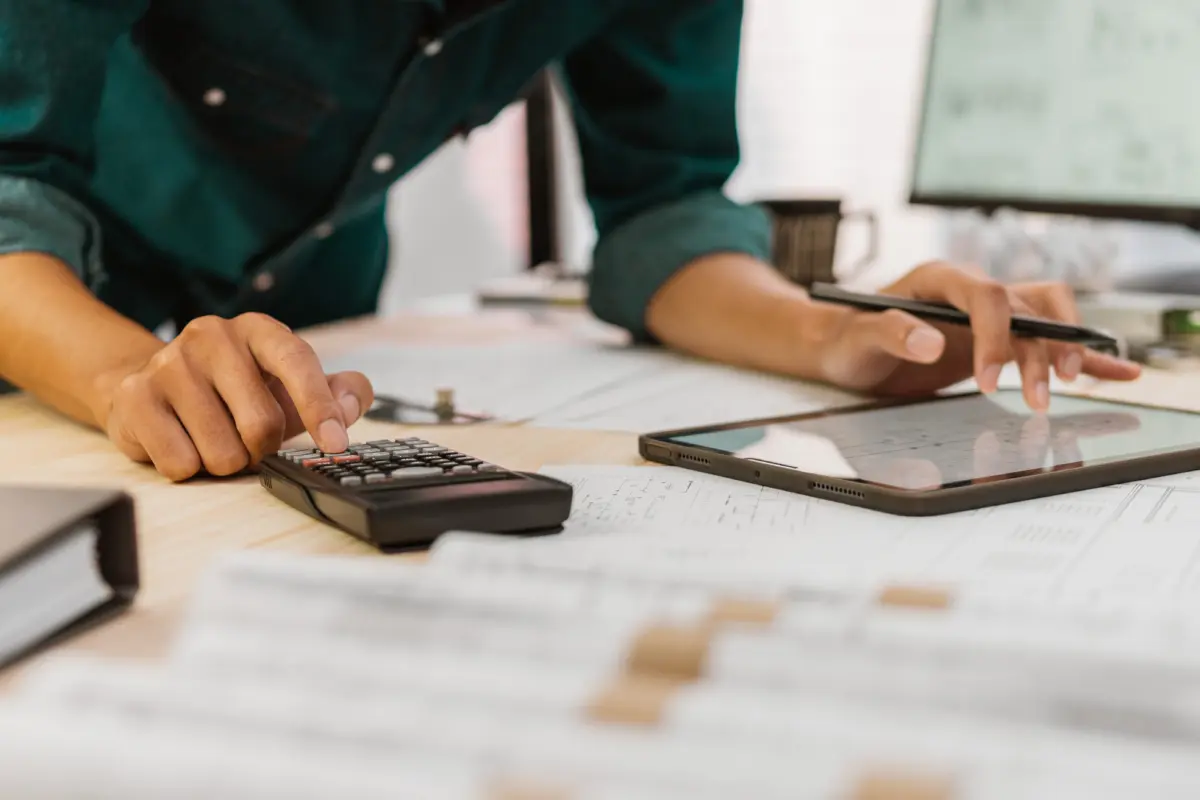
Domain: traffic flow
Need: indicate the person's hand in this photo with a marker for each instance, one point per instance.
(895, 353)
(226, 393)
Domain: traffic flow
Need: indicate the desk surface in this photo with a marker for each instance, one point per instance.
(183, 528)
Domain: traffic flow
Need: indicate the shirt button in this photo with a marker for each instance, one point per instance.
(214, 97)
(432, 47)
(383, 163)
(263, 282)
(324, 230)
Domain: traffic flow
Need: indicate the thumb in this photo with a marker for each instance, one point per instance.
(898, 334)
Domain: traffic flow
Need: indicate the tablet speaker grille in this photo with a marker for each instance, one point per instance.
(830, 489)
(696, 459)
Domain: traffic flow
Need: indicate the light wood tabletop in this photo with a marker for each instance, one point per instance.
(184, 527)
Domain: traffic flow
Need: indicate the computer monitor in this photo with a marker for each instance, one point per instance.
(1081, 107)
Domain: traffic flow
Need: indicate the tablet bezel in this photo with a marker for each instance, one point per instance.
(659, 447)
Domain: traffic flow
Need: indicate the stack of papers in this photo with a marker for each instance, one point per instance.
(582, 385)
(512, 382)
(594, 386)
(1132, 545)
(788, 653)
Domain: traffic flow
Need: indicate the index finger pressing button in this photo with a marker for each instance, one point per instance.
(292, 361)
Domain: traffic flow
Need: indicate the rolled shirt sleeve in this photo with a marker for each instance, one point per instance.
(53, 58)
(654, 98)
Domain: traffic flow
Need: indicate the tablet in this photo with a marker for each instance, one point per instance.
(942, 454)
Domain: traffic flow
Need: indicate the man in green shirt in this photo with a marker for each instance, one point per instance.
(224, 166)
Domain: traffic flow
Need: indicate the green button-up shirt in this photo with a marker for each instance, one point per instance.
(218, 157)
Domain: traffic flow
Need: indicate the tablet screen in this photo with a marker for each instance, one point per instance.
(957, 441)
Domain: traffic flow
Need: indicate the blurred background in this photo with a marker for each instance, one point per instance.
(829, 108)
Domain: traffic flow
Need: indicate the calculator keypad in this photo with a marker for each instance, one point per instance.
(388, 461)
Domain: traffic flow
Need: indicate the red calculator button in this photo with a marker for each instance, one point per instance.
(309, 463)
(349, 458)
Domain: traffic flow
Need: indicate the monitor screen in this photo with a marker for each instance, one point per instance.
(1062, 105)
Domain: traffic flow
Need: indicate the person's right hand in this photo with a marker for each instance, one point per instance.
(227, 392)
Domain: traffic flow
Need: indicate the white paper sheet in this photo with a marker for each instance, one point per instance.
(1029, 666)
(483, 736)
(704, 755)
(514, 382)
(594, 386)
(512, 600)
(682, 392)
(1135, 543)
(585, 385)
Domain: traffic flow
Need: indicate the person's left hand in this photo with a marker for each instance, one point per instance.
(898, 354)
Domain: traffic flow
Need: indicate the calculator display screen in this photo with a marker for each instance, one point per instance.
(956, 441)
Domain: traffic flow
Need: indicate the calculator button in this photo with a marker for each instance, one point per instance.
(350, 480)
(374, 477)
(375, 458)
(380, 442)
(416, 472)
(320, 461)
(489, 468)
(462, 469)
(346, 458)
(404, 451)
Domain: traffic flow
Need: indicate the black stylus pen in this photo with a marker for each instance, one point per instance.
(1030, 327)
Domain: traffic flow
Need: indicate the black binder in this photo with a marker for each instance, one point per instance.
(68, 560)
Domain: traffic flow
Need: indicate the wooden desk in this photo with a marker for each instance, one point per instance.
(184, 527)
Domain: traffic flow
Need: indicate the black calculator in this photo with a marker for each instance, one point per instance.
(401, 494)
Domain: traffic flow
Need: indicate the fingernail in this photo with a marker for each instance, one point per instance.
(989, 379)
(350, 408)
(925, 343)
(1041, 395)
(333, 436)
(1071, 367)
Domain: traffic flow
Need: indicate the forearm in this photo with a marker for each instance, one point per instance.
(58, 342)
(736, 309)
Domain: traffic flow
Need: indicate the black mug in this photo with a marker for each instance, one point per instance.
(805, 234)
